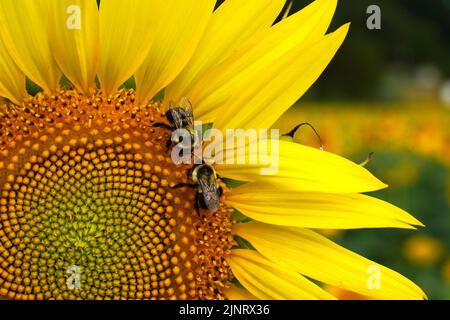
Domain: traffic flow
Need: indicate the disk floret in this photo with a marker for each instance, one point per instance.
(86, 182)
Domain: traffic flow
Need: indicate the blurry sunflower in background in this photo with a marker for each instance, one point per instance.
(86, 182)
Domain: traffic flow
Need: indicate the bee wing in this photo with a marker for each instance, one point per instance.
(177, 117)
(209, 192)
(182, 114)
(186, 105)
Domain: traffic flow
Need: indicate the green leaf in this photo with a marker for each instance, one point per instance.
(65, 83)
(32, 88)
(243, 244)
(240, 217)
(233, 183)
(130, 84)
(159, 96)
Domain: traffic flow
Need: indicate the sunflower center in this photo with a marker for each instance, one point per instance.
(88, 209)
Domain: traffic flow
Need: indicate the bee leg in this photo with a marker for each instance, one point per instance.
(168, 144)
(197, 203)
(183, 184)
(162, 125)
(220, 190)
(190, 170)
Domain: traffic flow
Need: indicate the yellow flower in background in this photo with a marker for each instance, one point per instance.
(399, 126)
(446, 271)
(423, 250)
(85, 183)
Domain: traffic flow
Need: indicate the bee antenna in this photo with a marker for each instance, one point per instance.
(365, 162)
(294, 131)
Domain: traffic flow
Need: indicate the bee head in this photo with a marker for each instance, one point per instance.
(203, 170)
(169, 116)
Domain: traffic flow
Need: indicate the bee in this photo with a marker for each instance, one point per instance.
(180, 116)
(205, 180)
(290, 135)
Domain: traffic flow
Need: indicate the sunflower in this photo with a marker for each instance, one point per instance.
(87, 182)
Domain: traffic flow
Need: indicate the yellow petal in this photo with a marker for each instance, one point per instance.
(314, 256)
(274, 205)
(270, 93)
(126, 33)
(179, 28)
(235, 293)
(24, 29)
(249, 18)
(12, 79)
(74, 35)
(268, 281)
(236, 80)
(302, 168)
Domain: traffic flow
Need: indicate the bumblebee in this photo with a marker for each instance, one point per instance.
(180, 116)
(205, 180)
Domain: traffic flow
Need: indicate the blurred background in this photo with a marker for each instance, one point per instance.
(388, 91)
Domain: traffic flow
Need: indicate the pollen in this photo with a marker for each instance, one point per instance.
(86, 183)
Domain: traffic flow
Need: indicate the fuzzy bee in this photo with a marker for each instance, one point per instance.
(180, 116)
(205, 179)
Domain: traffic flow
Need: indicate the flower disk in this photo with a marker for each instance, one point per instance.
(86, 183)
